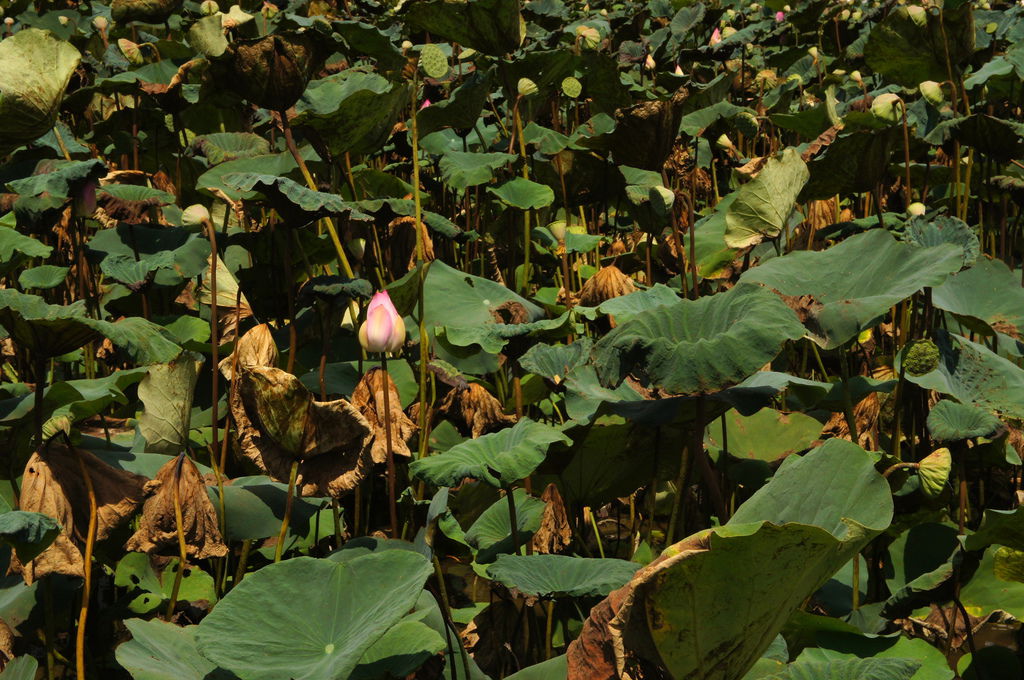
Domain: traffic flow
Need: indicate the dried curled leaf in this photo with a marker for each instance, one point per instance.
(332, 446)
(554, 534)
(255, 348)
(476, 410)
(6, 644)
(368, 398)
(609, 282)
(157, 532)
(53, 485)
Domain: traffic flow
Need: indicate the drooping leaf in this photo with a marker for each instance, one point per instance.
(257, 630)
(950, 421)
(702, 346)
(462, 170)
(854, 283)
(986, 298)
(43, 277)
(762, 206)
(500, 458)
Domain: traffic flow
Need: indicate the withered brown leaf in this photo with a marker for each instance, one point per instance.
(158, 532)
(256, 348)
(53, 485)
(554, 534)
(475, 409)
(368, 398)
(609, 282)
(332, 441)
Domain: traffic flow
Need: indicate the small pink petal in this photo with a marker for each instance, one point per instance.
(426, 103)
(780, 16)
(716, 37)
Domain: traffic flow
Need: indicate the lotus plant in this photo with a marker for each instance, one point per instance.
(384, 331)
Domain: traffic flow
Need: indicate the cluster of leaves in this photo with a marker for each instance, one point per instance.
(712, 364)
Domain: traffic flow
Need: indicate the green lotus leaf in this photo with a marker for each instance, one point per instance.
(702, 346)
(43, 277)
(16, 249)
(295, 202)
(762, 205)
(766, 435)
(912, 51)
(271, 164)
(256, 507)
(847, 669)
(207, 37)
(149, 589)
(950, 421)
(994, 137)
(365, 39)
(20, 668)
(219, 147)
(524, 194)
(973, 374)
(133, 254)
(986, 592)
(59, 179)
(941, 230)
(986, 298)
(35, 69)
(400, 651)
(555, 668)
(856, 161)
(147, 11)
(463, 170)
(491, 533)
(493, 27)
(52, 330)
(353, 111)
(166, 394)
(461, 109)
(500, 458)
(73, 399)
(258, 632)
(161, 651)
(856, 282)
(493, 337)
(561, 575)
(28, 533)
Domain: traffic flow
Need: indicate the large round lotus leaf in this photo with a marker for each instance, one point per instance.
(133, 254)
(52, 330)
(29, 533)
(35, 69)
(490, 26)
(851, 285)
(219, 147)
(147, 11)
(293, 201)
(702, 346)
(255, 506)
(353, 111)
(461, 170)
(554, 575)
(1002, 527)
(552, 669)
(987, 297)
(941, 230)
(762, 205)
(856, 161)
(273, 71)
(973, 374)
(767, 435)
(950, 421)
(500, 458)
(311, 619)
(838, 645)
(911, 50)
(996, 138)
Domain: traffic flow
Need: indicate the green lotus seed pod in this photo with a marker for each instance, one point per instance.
(589, 37)
(922, 356)
(526, 87)
(844, 15)
(795, 78)
(916, 209)
(857, 15)
(557, 230)
(572, 87)
(131, 51)
(195, 215)
(813, 52)
(856, 77)
(746, 123)
(357, 247)
(208, 8)
(754, 7)
(433, 62)
(932, 91)
(888, 107)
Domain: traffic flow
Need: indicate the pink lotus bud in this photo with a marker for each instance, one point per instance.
(85, 199)
(716, 37)
(426, 103)
(679, 70)
(649, 63)
(384, 329)
(780, 17)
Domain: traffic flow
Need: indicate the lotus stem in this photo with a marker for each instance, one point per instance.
(547, 629)
(513, 519)
(856, 582)
(211, 233)
(900, 466)
(90, 541)
(287, 511)
(243, 561)
(421, 275)
(392, 499)
(446, 612)
(597, 532)
(178, 527)
(336, 515)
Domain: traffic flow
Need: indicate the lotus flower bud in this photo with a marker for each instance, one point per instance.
(856, 77)
(649, 63)
(678, 71)
(526, 87)
(100, 23)
(813, 52)
(425, 104)
(932, 92)
(787, 9)
(729, 14)
(384, 329)
(557, 230)
(844, 15)
(357, 247)
(916, 209)
(209, 7)
(716, 37)
(780, 17)
(603, 12)
(195, 215)
(8, 22)
(85, 199)
(888, 107)
(795, 78)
